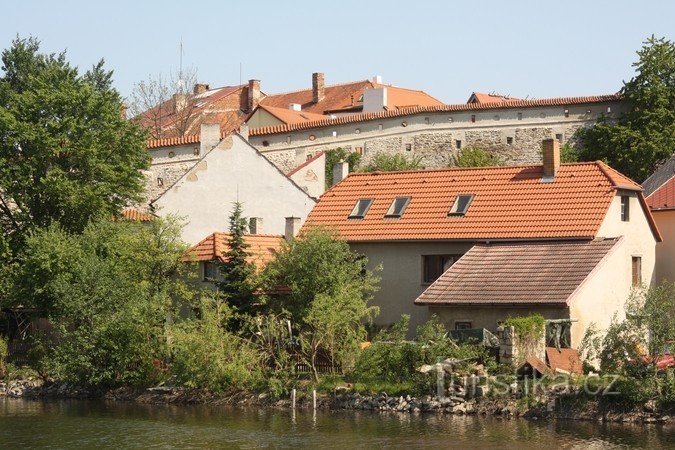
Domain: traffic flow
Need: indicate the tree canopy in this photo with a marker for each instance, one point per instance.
(644, 136)
(66, 153)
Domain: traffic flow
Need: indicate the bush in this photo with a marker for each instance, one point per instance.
(4, 351)
(385, 162)
(477, 157)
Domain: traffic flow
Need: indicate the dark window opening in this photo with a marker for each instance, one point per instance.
(625, 208)
(458, 144)
(637, 270)
(520, 116)
(210, 271)
(397, 207)
(436, 265)
(408, 147)
(461, 205)
(463, 325)
(473, 117)
(559, 138)
(361, 208)
(509, 140)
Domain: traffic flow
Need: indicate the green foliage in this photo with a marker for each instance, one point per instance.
(66, 154)
(568, 153)
(644, 136)
(530, 327)
(336, 155)
(4, 352)
(270, 336)
(385, 162)
(236, 272)
(473, 156)
(108, 293)
(207, 356)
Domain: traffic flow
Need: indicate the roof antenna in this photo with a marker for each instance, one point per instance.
(181, 83)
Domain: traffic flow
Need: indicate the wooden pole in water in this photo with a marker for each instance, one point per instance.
(293, 398)
(314, 398)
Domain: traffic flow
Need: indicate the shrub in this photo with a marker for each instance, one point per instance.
(477, 157)
(4, 351)
(385, 162)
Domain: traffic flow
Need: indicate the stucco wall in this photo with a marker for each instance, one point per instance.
(665, 251)
(233, 171)
(489, 316)
(401, 275)
(312, 177)
(262, 118)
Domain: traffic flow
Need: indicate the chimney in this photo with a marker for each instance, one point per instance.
(340, 171)
(255, 225)
(375, 99)
(317, 87)
(551, 157)
(295, 107)
(377, 79)
(253, 94)
(209, 137)
(243, 130)
(180, 102)
(292, 228)
(200, 88)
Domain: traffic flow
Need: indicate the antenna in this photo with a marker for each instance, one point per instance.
(181, 83)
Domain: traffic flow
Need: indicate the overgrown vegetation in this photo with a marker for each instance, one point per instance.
(474, 156)
(390, 162)
(336, 155)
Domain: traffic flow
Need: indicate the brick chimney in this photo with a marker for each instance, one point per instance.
(253, 94)
(255, 225)
(200, 88)
(292, 228)
(551, 157)
(340, 171)
(317, 87)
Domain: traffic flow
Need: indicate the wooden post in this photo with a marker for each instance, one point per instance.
(293, 398)
(314, 399)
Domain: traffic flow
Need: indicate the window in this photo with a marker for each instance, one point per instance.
(358, 150)
(160, 181)
(637, 270)
(408, 147)
(195, 151)
(397, 207)
(458, 144)
(520, 116)
(509, 140)
(435, 266)
(210, 271)
(361, 208)
(625, 208)
(473, 117)
(460, 206)
(559, 138)
(567, 112)
(462, 325)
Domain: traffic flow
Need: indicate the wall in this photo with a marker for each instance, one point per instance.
(488, 316)
(233, 171)
(665, 251)
(401, 276)
(262, 118)
(312, 176)
(433, 135)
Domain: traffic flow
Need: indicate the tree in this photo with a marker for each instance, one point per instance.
(385, 162)
(236, 271)
(477, 157)
(644, 136)
(336, 155)
(66, 154)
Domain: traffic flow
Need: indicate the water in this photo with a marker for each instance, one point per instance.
(99, 424)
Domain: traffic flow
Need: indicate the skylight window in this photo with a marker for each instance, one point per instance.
(361, 208)
(397, 207)
(461, 205)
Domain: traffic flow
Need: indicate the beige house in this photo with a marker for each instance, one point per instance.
(660, 196)
(568, 241)
(232, 171)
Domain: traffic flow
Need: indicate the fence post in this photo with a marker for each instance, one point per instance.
(293, 398)
(314, 399)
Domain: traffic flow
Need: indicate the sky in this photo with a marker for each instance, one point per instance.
(449, 49)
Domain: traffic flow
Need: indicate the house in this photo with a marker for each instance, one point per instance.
(233, 171)
(476, 245)
(660, 195)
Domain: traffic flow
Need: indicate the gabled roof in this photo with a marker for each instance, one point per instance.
(404, 111)
(263, 248)
(287, 115)
(660, 176)
(481, 97)
(509, 203)
(527, 273)
(137, 215)
(663, 197)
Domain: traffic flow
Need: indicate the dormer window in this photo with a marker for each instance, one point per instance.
(397, 207)
(461, 205)
(361, 208)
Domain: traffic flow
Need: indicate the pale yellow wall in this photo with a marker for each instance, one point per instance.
(488, 316)
(312, 177)
(262, 118)
(665, 251)
(401, 276)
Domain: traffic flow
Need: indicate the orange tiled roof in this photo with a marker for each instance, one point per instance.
(171, 142)
(263, 248)
(287, 115)
(357, 118)
(481, 97)
(508, 273)
(509, 203)
(663, 197)
(137, 215)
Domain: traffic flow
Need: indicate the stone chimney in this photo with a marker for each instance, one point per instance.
(551, 157)
(200, 88)
(292, 228)
(209, 137)
(317, 87)
(340, 171)
(255, 225)
(253, 94)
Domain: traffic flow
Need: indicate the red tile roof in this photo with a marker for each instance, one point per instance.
(357, 118)
(263, 248)
(481, 97)
(174, 141)
(566, 359)
(289, 116)
(137, 215)
(509, 203)
(663, 197)
(305, 164)
(508, 273)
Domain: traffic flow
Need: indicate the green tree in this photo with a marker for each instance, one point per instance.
(477, 157)
(385, 162)
(643, 136)
(236, 271)
(336, 155)
(66, 154)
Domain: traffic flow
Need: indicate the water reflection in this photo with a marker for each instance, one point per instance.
(68, 424)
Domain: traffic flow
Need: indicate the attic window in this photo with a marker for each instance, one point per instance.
(397, 207)
(361, 208)
(461, 205)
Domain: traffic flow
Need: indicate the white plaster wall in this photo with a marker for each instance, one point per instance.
(262, 118)
(665, 251)
(312, 177)
(233, 171)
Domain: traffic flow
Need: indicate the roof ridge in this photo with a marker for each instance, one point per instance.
(309, 89)
(444, 169)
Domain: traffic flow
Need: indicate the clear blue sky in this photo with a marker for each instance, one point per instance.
(449, 49)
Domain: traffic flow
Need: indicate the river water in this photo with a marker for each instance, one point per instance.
(99, 424)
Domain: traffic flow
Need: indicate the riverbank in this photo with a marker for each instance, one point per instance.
(548, 405)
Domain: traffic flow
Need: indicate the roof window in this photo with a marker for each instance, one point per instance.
(361, 208)
(461, 205)
(397, 207)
